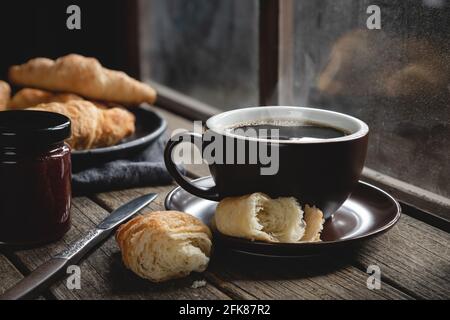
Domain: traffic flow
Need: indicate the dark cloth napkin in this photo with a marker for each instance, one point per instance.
(144, 169)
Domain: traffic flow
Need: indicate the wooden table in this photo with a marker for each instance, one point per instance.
(414, 258)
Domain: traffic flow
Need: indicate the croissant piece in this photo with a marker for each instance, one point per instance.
(83, 76)
(258, 217)
(5, 93)
(93, 127)
(314, 224)
(164, 245)
(29, 97)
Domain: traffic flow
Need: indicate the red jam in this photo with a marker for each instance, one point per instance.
(35, 177)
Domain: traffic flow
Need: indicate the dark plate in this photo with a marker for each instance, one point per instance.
(367, 212)
(149, 126)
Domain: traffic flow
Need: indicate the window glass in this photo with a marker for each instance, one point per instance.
(396, 79)
(205, 49)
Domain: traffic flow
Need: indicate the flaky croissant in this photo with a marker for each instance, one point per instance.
(164, 245)
(258, 217)
(83, 76)
(314, 224)
(5, 93)
(93, 127)
(30, 97)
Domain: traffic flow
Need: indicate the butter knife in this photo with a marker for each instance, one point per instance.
(45, 275)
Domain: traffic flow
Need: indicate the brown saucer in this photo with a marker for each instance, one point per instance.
(369, 211)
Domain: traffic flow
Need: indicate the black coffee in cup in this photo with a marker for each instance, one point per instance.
(316, 157)
(286, 130)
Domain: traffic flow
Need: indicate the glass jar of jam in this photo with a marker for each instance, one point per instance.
(35, 177)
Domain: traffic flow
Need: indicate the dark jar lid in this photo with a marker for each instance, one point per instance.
(19, 127)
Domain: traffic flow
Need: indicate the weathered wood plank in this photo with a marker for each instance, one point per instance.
(246, 278)
(413, 255)
(296, 279)
(9, 275)
(103, 276)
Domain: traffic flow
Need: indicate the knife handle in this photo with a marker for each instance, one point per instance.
(39, 279)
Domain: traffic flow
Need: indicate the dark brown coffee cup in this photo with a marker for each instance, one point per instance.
(320, 172)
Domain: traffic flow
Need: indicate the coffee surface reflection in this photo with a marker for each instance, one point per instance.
(286, 130)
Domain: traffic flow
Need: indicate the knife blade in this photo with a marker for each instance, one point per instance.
(43, 276)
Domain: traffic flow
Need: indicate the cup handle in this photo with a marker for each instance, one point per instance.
(196, 138)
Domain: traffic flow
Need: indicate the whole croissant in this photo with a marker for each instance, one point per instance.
(30, 97)
(92, 127)
(83, 76)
